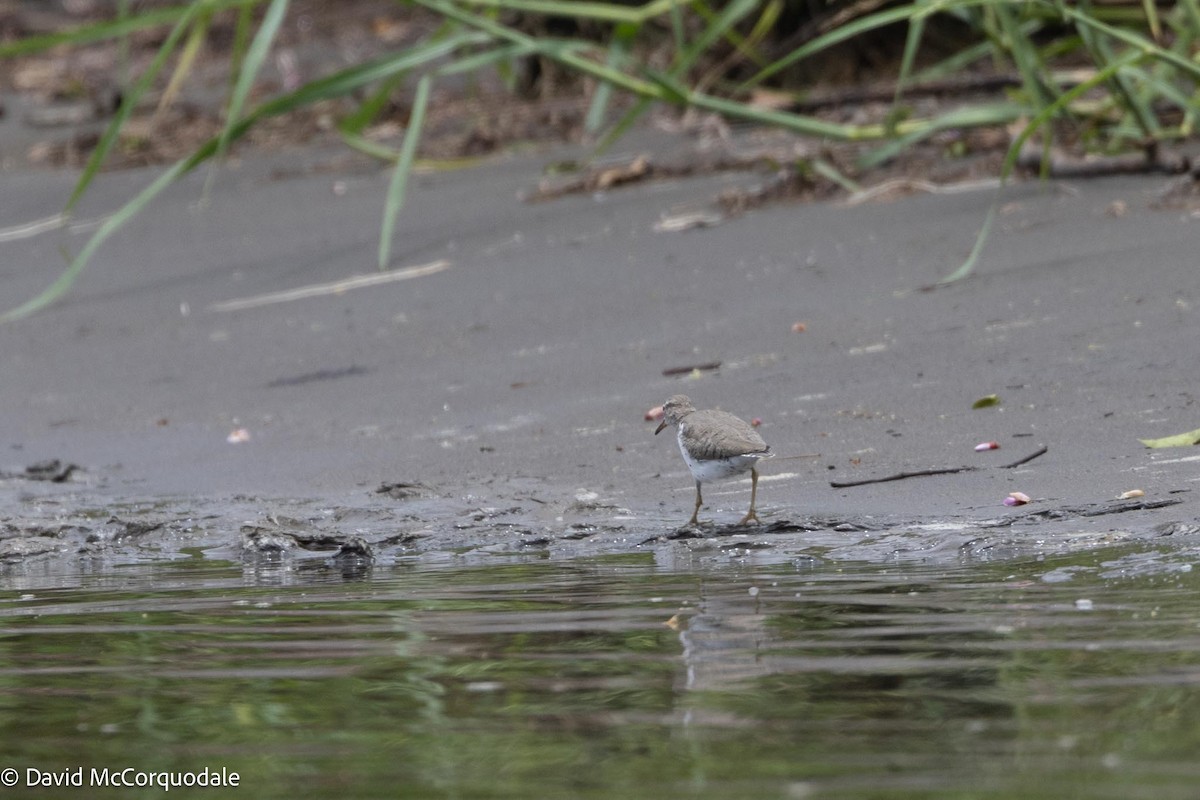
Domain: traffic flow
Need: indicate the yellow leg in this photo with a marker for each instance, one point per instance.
(696, 510)
(751, 515)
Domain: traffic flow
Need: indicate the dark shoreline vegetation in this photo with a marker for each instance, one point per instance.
(1118, 83)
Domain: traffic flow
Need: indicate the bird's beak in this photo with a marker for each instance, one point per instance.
(661, 425)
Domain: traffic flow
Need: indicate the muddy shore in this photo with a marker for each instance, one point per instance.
(494, 402)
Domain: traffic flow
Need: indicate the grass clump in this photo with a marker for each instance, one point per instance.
(1111, 78)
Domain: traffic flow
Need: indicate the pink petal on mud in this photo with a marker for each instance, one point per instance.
(1016, 499)
(979, 448)
(654, 414)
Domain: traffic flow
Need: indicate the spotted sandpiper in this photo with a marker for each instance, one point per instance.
(715, 445)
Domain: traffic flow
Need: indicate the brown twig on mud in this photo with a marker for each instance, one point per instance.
(923, 473)
(1039, 452)
(899, 476)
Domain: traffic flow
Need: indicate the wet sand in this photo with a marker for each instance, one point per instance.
(510, 386)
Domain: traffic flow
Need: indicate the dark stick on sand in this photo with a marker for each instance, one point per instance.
(1039, 452)
(922, 473)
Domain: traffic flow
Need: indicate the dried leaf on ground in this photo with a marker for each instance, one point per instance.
(1178, 440)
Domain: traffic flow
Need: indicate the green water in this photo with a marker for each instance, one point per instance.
(1070, 677)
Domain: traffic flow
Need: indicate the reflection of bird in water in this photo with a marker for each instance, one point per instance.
(722, 644)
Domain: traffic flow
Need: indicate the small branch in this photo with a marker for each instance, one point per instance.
(1040, 452)
(923, 473)
(899, 476)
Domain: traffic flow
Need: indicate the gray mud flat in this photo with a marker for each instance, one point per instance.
(501, 395)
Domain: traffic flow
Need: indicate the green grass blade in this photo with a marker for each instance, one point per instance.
(678, 34)
(618, 50)
(100, 31)
(684, 60)
(1014, 151)
(747, 46)
(1191, 11)
(600, 12)
(970, 117)
(831, 173)
(968, 266)
(784, 119)
(67, 278)
(370, 108)
(123, 47)
(622, 125)
(367, 147)
(673, 91)
(187, 57)
(241, 43)
(350, 79)
(912, 43)
(255, 56)
(1152, 19)
(563, 52)
(399, 182)
(477, 61)
(836, 36)
(1025, 57)
(1142, 44)
(956, 63)
(1100, 51)
(128, 102)
(719, 27)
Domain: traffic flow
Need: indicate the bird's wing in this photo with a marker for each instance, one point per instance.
(726, 435)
